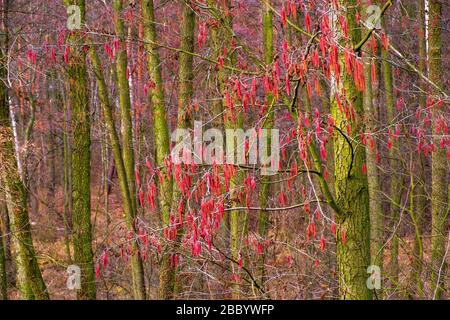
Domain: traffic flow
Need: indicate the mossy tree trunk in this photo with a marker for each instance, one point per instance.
(237, 218)
(185, 95)
(375, 205)
(3, 274)
(219, 34)
(81, 158)
(267, 31)
(351, 186)
(420, 196)
(30, 281)
(439, 167)
(127, 146)
(130, 214)
(67, 182)
(395, 185)
(29, 277)
(161, 140)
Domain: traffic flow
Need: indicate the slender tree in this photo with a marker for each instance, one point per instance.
(161, 139)
(3, 266)
(371, 121)
(130, 215)
(395, 177)
(267, 31)
(420, 199)
(439, 167)
(127, 144)
(185, 94)
(233, 119)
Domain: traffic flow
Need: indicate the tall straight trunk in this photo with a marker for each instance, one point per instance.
(185, 93)
(130, 214)
(185, 68)
(3, 266)
(351, 186)
(67, 182)
(217, 32)
(420, 197)
(9, 260)
(238, 224)
(124, 101)
(217, 88)
(237, 218)
(50, 144)
(105, 176)
(127, 145)
(4, 215)
(439, 167)
(30, 281)
(395, 185)
(375, 205)
(81, 157)
(417, 253)
(267, 31)
(161, 136)
(52, 96)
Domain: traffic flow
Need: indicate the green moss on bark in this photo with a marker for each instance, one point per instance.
(351, 185)
(81, 160)
(161, 139)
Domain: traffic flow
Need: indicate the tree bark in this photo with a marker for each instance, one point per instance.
(439, 167)
(420, 197)
(3, 266)
(81, 157)
(185, 95)
(127, 146)
(267, 31)
(395, 186)
(373, 179)
(162, 141)
(351, 185)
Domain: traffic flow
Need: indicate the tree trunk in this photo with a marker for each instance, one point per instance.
(237, 218)
(30, 280)
(81, 157)
(130, 215)
(218, 32)
(351, 186)
(265, 190)
(420, 197)
(439, 167)
(162, 142)
(127, 147)
(67, 182)
(395, 186)
(3, 266)
(185, 95)
(375, 205)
